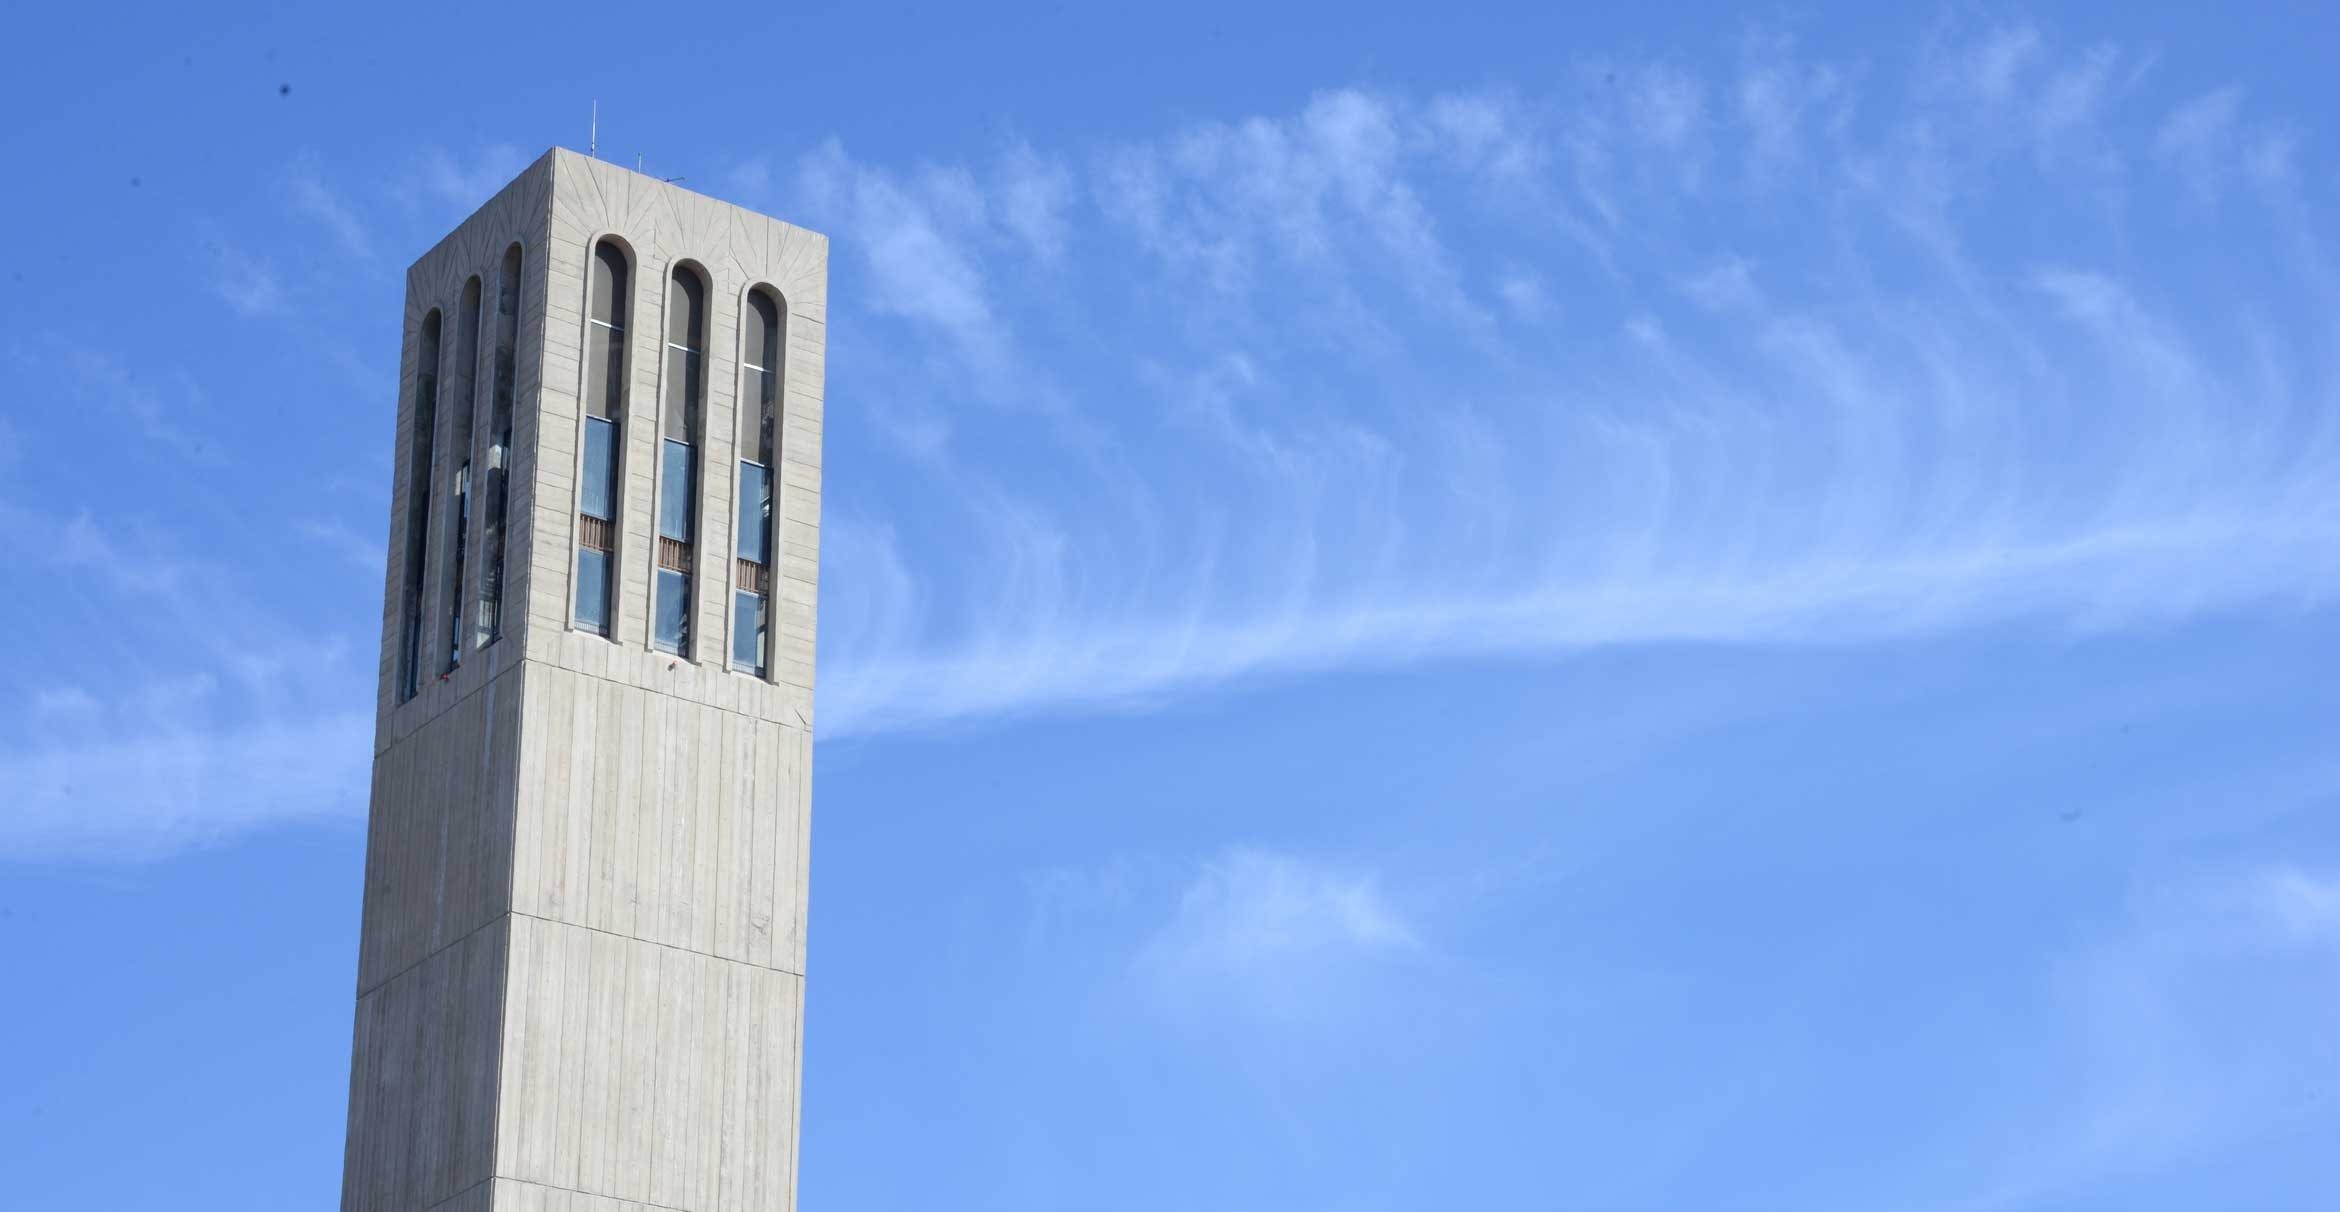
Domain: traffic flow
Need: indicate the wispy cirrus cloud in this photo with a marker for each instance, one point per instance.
(2196, 1026)
(1261, 937)
(2197, 139)
(1798, 351)
(164, 407)
(1273, 934)
(360, 552)
(169, 768)
(1777, 363)
(248, 282)
(313, 199)
(205, 723)
(462, 181)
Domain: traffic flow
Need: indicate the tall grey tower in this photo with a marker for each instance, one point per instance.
(581, 977)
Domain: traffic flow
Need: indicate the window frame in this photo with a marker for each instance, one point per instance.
(767, 669)
(624, 310)
(694, 408)
(421, 475)
(495, 485)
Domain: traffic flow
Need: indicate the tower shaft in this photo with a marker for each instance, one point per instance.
(581, 971)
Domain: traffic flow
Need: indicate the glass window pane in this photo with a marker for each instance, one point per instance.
(412, 644)
(609, 284)
(755, 512)
(767, 442)
(418, 493)
(759, 382)
(600, 467)
(674, 609)
(613, 391)
(681, 419)
(675, 491)
(686, 301)
(508, 284)
(506, 368)
(491, 573)
(694, 369)
(747, 631)
(604, 364)
(455, 574)
(491, 567)
(763, 331)
(593, 590)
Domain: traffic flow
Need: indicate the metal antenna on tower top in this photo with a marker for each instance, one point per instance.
(593, 133)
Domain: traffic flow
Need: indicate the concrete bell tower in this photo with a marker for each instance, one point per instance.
(581, 975)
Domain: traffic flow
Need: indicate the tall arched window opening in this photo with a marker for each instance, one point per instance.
(424, 421)
(459, 482)
(605, 414)
(759, 454)
(678, 457)
(499, 458)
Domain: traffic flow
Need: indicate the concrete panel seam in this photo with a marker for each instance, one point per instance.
(651, 942)
(696, 702)
(365, 991)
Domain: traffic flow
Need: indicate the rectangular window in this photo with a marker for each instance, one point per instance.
(491, 569)
(755, 512)
(494, 505)
(605, 408)
(605, 368)
(751, 606)
(682, 392)
(675, 491)
(595, 533)
(674, 610)
(593, 590)
(747, 631)
(599, 485)
(411, 642)
(418, 493)
(461, 494)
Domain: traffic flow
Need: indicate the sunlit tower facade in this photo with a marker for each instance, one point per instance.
(581, 971)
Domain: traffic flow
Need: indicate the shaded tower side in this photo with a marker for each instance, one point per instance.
(439, 844)
(581, 976)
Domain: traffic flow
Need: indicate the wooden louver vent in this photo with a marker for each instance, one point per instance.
(596, 533)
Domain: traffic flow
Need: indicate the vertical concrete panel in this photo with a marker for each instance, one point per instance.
(422, 1118)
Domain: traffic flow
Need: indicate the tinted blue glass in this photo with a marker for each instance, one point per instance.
(755, 511)
(747, 630)
(593, 590)
(674, 608)
(674, 507)
(600, 467)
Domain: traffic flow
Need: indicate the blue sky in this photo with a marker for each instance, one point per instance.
(1608, 610)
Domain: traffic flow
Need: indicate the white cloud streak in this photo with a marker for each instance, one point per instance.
(246, 281)
(2198, 138)
(1823, 398)
(312, 198)
(1748, 357)
(1261, 932)
(2198, 1027)
(464, 182)
(165, 408)
(208, 724)
(129, 785)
